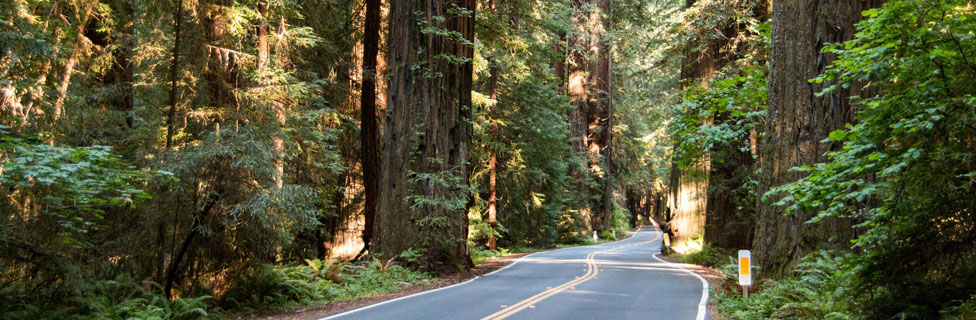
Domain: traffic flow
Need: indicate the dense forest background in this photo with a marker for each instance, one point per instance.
(191, 158)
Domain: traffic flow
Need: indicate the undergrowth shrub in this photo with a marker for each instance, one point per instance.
(479, 254)
(575, 240)
(709, 256)
(266, 287)
(819, 290)
(964, 310)
(120, 298)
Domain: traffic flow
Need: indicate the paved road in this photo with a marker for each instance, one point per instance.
(619, 280)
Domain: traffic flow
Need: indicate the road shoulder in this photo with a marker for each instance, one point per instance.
(321, 311)
(714, 278)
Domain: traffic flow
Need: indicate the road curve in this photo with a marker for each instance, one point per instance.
(618, 280)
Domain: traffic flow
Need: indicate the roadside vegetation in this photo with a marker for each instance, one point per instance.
(260, 289)
(188, 159)
(880, 224)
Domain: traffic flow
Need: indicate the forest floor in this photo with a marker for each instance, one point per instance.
(322, 311)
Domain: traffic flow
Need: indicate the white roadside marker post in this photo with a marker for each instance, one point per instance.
(667, 242)
(745, 271)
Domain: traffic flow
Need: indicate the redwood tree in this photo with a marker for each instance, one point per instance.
(368, 134)
(797, 122)
(423, 192)
(576, 89)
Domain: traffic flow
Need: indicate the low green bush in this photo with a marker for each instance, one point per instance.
(120, 298)
(964, 310)
(575, 240)
(261, 288)
(480, 254)
(266, 286)
(819, 290)
(709, 256)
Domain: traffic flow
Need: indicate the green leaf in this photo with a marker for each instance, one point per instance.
(838, 135)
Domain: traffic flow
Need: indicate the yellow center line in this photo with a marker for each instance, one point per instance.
(592, 269)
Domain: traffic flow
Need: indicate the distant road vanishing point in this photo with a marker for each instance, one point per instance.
(618, 280)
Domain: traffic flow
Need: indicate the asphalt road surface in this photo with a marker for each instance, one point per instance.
(618, 280)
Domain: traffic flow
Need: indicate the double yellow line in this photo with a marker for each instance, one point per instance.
(592, 269)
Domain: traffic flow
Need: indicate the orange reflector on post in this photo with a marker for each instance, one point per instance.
(745, 268)
(744, 265)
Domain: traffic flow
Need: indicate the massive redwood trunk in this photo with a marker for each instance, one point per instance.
(174, 72)
(797, 121)
(598, 117)
(424, 178)
(687, 187)
(368, 134)
(576, 89)
(589, 91)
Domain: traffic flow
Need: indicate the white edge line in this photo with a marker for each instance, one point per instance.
(438, 289)
(456, 284)
(703, 304)
(397, 299)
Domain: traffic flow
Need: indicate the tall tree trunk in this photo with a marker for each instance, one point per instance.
(345, 200)
(368, 134)
(797, 121)
(264, 56)
(599, 129)
(559, 63)
(577, 66)
(173, 271)
(122, 69)
(174, 72)
(426, 152)
(83, 14)
(688, 186)
(730, 223)
(492, 152)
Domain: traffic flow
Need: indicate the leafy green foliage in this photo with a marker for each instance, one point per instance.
(820, 290)
(74, 185)
(709, 256)
(267, 286)
(120, 298)
(906, 166)
(526, 128)
(720, 114)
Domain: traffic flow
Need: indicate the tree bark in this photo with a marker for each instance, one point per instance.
(576, 89)
(174, 72)
(687, 187)
(368, 134)
(173, 272)
(425, 167)
(600, 129)
(559, 63)
(83, 15)
(492, 152)
(797, 121)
